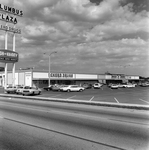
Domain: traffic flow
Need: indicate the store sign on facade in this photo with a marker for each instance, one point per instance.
(61, 75)
(8, 56)
(118, 76)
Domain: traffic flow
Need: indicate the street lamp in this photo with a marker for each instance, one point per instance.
(50, 63)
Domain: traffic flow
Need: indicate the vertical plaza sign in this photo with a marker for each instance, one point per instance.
(9, 15)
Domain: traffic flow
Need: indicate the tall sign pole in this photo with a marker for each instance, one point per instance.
(13, 69)
(6, 40)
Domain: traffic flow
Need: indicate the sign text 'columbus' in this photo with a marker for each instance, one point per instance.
(11, 10)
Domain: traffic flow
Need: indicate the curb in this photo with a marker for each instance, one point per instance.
(124, 105)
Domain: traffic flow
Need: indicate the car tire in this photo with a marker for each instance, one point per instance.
(80, 90)
(68, 90)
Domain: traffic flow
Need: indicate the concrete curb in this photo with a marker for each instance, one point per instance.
(117, 105)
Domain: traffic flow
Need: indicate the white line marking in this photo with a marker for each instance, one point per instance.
(71, 97)
(91, 98)
(116, 100)
(55, 95)
(143, 100)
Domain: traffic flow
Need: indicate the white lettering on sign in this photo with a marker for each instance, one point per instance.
(11, 10)
(10, 29)
(118, 76)
(61, 75)
(8, 18)
(9, 54)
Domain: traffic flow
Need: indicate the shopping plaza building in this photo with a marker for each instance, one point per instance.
(40, 78)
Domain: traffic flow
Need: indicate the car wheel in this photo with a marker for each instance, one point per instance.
(39, 93)
(33, 93)
(80, 90)
(68, 90)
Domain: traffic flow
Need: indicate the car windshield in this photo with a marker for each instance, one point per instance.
(27, 87)
(65, 86)
(32, 88)
(21, 87)
(74, 86)
(9, 87)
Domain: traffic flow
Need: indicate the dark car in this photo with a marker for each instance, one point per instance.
(48, 88)
(55, 87)
(87, 86)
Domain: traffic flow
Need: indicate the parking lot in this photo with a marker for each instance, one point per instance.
(138, 95)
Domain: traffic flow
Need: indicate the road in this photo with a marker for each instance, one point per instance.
(37, 125)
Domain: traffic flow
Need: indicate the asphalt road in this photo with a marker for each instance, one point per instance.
(37, 125)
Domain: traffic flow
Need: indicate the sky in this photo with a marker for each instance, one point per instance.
(89, 36)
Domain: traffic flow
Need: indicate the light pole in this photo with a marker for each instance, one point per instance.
(50, 63)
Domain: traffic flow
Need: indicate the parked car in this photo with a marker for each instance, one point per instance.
(146, 84)
(122, 85)
(114, 86)
(11, 89)
(31, 91)
(21, 88)
(48, 88)
(87, 86)
(130, 85)
(55, 87)
(72, 88)
(97, 85)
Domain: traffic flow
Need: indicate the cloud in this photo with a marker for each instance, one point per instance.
(88, 37)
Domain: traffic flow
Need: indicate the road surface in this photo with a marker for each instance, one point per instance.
(37, 125)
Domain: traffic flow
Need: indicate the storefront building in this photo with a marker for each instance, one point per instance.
(40, 78)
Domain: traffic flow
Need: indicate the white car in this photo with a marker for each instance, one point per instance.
(114, 86)
(31, 91)
(122, 85)
(129, 85)
(97, 85)
(11, 89)
(72, 88)
(21, 88)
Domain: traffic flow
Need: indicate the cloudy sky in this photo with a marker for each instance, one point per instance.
(89, 36)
